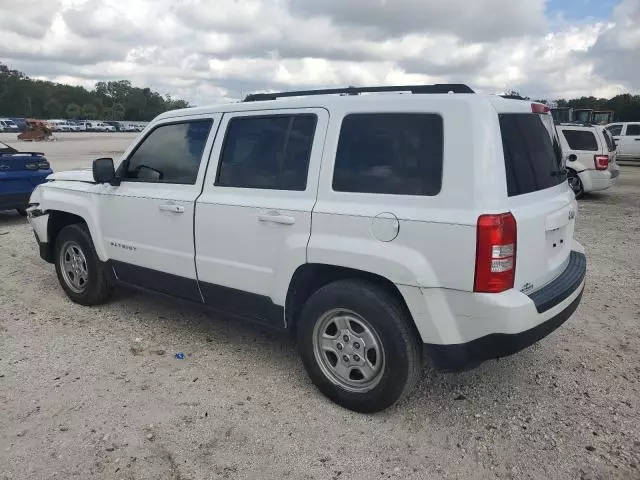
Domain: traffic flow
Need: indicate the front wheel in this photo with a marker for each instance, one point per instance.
(85, 279)
(575, 183)
(358, 346)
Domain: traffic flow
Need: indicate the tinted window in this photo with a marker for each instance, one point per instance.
(609, 140)
(615, 130)
(390, 153)
(581, 140)
(532, 154)
(170, 153)
(633, 130)
(267, 152)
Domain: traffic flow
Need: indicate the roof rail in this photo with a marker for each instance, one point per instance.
(436, 88)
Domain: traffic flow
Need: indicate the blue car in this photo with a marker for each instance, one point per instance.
(20, 174)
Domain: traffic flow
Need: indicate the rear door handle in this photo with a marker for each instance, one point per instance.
(275, 217)
(172, 208)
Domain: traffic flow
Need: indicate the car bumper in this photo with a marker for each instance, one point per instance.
(39, 223)
(462, 329)
(595, 180)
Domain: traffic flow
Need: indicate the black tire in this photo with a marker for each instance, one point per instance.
(575, 183)
(22, 211)
(99, 282)
(400, 341)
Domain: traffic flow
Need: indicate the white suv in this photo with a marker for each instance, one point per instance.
(591, 157)
(373, 226)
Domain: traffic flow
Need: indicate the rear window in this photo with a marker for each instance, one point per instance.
(581, 140)
(609, 139)
(390, 153)
(532, 154)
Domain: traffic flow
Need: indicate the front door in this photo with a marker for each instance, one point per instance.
(629, 144)
(253, 220)
(147, 220)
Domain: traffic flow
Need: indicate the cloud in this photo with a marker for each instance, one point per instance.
(478, 20)
(208, 51)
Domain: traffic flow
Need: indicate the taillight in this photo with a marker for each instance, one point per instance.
(601, 161)
(31, 166)
(540, 108)
(43, 166)
(495, 253)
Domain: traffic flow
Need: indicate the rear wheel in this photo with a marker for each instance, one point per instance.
(358, 346)
(575, 183)
(85, 279)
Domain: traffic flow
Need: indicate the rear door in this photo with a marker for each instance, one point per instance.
(629, 144)
(253, 219)
(539, 198)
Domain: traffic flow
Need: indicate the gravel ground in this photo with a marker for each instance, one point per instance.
(98, 393)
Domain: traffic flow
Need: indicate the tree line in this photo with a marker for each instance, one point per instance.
(626, 106)
(21, 96)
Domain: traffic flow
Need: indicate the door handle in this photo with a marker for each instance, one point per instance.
(172, 208)
(277, 218)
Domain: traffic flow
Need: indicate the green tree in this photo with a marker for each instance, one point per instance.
(53, 108)
(73, 110)
(89, 111)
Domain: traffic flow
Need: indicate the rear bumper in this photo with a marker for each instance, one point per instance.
(464, 328)
(595, 180)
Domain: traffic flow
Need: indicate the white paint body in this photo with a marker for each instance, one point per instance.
(254, 240)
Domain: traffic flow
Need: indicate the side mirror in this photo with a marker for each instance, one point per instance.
(103, 170)
(572, 157)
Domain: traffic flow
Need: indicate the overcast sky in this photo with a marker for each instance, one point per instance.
(208, 51)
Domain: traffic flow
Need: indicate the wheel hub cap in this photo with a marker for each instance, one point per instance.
(73, 266)
(348, 350)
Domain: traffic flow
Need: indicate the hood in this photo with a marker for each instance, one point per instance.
(84, 175)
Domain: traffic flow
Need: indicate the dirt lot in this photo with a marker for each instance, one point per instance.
(81, 398)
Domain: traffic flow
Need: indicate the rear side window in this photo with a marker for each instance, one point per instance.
(633, 130)
(390, 153)
(532, 154)
(581, 140)
(267, 152)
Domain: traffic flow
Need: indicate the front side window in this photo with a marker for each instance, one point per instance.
(170, 153)
(390, 153)
(581, 140)
(267, 152)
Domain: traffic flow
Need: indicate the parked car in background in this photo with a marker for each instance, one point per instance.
(590, 157)
(108, 127)
(373, 227)
(8, 125)
(20, 173)
(626, 135)
(117, 126)
(60, 125)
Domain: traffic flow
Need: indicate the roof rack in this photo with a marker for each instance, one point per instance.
(418, 89)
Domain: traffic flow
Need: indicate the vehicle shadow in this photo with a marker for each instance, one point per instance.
(9, 218)
(278, 347)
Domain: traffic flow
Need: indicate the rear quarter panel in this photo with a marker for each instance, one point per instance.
(436, 241)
